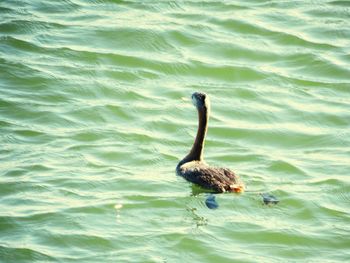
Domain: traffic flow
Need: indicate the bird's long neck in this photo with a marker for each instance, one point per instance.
(196, 153)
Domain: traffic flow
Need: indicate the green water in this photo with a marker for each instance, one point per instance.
(95, 114)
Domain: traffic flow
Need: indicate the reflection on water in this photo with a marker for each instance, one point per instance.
(197, 220)
(94, 117)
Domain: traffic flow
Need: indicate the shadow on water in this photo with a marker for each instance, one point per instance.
(211, 202)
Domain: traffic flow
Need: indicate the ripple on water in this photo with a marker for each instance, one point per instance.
(95, 113)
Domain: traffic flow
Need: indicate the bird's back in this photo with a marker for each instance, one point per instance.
(213, 178)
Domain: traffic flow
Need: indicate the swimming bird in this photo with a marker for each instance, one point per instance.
(194, 169)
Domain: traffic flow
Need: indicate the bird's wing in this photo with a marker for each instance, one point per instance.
(217, 179)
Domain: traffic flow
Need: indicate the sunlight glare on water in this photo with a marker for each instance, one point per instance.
(96, 112)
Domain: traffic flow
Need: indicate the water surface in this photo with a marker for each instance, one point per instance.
(95, 114)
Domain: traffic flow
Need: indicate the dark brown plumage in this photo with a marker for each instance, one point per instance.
(194, 169)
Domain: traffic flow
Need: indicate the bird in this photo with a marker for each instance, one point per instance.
(193, 167)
